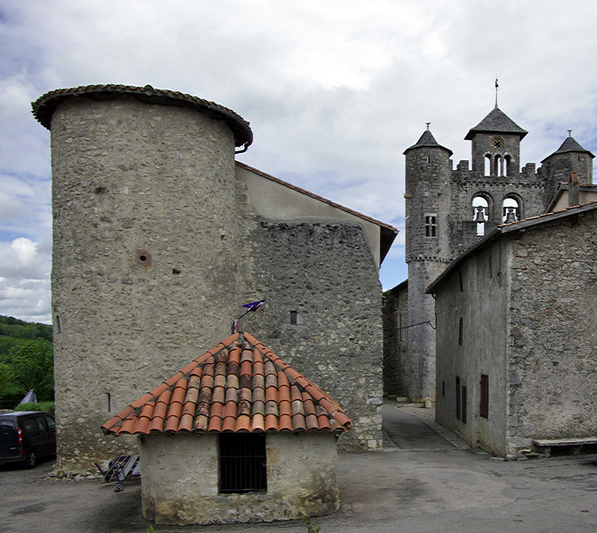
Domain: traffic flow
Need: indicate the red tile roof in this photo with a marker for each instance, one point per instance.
(238, 386)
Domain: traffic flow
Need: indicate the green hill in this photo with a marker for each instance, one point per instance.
(26, 360)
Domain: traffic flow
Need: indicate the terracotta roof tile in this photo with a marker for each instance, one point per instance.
(239, 385)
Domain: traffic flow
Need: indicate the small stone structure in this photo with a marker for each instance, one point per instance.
(235, 436)
(160, 236)
(516, 334)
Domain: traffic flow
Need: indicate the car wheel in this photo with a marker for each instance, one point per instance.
(31, 460)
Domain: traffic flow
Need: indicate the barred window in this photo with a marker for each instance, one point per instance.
(242, 463)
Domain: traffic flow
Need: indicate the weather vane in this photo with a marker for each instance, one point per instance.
(252, 307)
(496, 91)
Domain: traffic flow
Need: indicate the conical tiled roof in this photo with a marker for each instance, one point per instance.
(427, 140)
(496, 122)
(238, 386)
(570, 145)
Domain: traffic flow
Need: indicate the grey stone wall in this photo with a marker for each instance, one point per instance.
(302, 480)
(144, 271)
(396, 364)
(326, 276)
(553, 332)
(476, 296)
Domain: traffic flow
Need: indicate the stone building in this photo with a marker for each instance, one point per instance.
(448, 209)
(261, 439)
(160, 237)
(516, 334)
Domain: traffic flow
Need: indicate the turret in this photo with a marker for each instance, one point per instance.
(428, 172)
(568, 158)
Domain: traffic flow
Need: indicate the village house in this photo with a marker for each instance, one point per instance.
(516, 334)
(261, 439)
(159, 238)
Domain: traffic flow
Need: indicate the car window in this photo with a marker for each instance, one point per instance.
(41, 423)
(7, 428)
(50, 422)
(30, 426)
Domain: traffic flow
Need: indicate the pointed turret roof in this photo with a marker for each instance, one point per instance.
(427, 140)
(240, 385)
(496, 122)
(569, 145)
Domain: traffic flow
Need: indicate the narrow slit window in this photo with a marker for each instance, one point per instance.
(484, 406)
(293, 318)
(242, 463)
(458, 405)
(460, 330)
(464, 404)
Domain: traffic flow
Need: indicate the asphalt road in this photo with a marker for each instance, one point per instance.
(430, 483)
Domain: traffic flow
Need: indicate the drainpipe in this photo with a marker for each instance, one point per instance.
(573, 190)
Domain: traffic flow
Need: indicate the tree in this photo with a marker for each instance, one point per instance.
(32, 367)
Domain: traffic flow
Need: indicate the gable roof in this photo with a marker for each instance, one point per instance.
(240, 385)
(387, 232)
(504, 229)
(496, 122)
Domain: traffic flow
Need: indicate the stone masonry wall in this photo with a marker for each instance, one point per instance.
(301, 480)
(144, 274)
(553, 332)
(324, 275)
(396, 364)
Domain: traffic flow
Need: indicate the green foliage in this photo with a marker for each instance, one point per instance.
(26, 360)
(310, 527)
(46, 407)
(32, 367)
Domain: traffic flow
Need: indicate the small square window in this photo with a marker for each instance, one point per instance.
(430, 225)
(242, 463)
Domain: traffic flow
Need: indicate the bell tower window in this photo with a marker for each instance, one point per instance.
(480, 213)
(510, 210)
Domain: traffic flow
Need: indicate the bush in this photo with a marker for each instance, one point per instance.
(46, 407)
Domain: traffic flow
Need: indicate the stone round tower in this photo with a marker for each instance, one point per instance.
(144, 271)
(427, 195)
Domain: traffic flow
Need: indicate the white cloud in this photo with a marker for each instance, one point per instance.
(334, 91)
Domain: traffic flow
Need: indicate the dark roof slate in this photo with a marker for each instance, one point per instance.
(427, 140)
(496, 122)
(569, 145)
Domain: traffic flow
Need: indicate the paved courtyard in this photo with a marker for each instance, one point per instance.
(422, 483)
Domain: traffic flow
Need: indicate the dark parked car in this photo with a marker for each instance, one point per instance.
(26, 436)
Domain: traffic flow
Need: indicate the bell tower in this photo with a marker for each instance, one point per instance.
(496, 145)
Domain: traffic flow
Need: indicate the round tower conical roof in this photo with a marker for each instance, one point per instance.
(569, 145)
(427, 140)
(496, 122)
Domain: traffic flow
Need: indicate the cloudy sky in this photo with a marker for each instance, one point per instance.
(335, 91)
